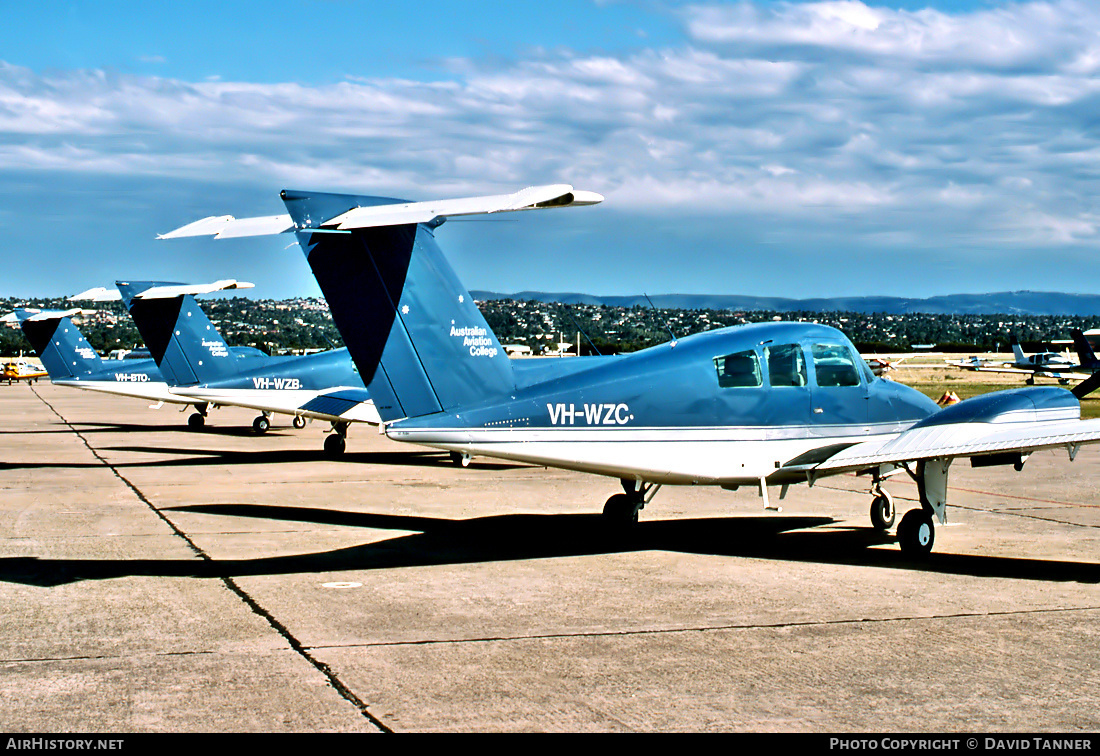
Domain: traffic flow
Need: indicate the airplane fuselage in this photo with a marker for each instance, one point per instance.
(136, 378)
(1048, 361)
(323, 386)
(739, 403)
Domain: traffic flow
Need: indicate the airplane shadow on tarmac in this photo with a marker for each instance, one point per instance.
(86, 428)
(219, 457)
(517, 537)
(181, 427)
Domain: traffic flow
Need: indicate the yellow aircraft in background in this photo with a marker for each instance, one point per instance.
(21, 369)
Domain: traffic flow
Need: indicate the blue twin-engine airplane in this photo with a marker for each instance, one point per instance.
(752, 405)
(201, 367)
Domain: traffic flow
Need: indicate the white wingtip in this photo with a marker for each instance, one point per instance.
(97, 294)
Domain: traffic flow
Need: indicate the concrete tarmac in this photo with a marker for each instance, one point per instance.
(157, 579)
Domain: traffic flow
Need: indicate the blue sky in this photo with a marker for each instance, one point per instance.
(772, 148)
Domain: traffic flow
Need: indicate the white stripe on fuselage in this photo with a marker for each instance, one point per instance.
(705, 456)
(153, 390)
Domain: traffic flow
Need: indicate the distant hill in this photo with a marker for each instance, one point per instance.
(1007, 302)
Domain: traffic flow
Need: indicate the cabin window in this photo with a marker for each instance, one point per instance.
(786, 365)
(833, 366)
(740, 369)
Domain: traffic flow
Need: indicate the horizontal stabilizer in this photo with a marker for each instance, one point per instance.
(98, 294)
(228, 227)
(179, 290)
(392, 213)
(56, 314)
(531, 198)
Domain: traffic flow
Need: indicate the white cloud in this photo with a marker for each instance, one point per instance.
(952, 125)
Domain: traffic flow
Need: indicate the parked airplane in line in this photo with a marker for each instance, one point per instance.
(70, 361)
(752, 405)
(192, 355)
(1040, 364)
(973, 362)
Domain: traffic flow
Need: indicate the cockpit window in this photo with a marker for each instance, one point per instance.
(786, 365)
(833, 366)
(740, 369)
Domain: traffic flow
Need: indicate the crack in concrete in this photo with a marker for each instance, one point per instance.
(231, 584)
(1013, 511)
(710, 628)
(101, 657)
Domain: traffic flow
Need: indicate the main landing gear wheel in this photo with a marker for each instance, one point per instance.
(299, 422)
(334, 445)
(196, 421)
(916, 534)
(261, 424)
(621, 511)
(882, 512)
(459, 459)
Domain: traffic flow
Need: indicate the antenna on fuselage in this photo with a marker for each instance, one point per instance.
(670, 333)
(569, 312)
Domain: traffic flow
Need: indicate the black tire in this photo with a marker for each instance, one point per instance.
(196, 421)
(334, 445)
(456, 458)
(299, 422)
(261, 424)
(882, 512)
(620, 511)
(916, 534)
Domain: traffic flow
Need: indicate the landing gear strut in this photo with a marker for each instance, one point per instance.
(882, 510)
(882, 506)
(916, 531)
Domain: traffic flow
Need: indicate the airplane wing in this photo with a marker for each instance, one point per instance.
(1041, 372)
(1003, 423)
(963, 440)
(346, 403)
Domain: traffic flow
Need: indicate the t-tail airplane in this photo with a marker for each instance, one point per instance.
(196, 362)
(70, 361)
(1038, 365)
(752, 405)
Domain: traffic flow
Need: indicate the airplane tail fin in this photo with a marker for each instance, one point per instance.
(186, 346)
(1085, 354)
(417, 338)
(64, 351)
(1017, 351)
